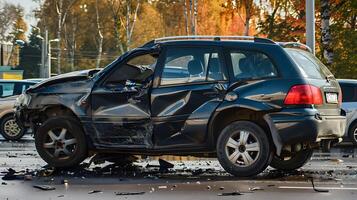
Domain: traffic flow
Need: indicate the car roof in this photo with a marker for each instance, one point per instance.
(348, 81)
(16, 81)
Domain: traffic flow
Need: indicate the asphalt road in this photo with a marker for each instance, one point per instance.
(334, 175)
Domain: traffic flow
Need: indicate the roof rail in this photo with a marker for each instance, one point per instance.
(215, 38)
(297, 45)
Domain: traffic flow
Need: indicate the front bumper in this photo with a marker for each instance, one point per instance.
(22, 118)
(297, 127)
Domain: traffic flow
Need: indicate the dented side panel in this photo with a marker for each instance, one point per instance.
(181, 113)
(121, 118)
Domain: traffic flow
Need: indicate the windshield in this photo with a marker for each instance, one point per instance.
(309, 65)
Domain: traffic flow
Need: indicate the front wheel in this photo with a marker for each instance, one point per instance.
(291, 158)
(60, 141)
(243, 149)
(10, 129)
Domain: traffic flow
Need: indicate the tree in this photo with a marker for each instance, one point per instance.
(327, 50)
(62, 9)
(18, 30)
(344, 34)
(30, 56)
(283, 20)
(100, 36)
(9, 14)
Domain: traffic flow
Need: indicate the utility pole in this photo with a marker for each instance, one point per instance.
(310, 24)
(1, 55)
(47, 73)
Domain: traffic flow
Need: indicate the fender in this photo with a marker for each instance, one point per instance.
(246, 104)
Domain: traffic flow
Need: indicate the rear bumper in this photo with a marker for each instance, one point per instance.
(302, 126)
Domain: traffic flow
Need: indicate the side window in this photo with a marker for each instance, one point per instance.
(134, 72)
(349, 93)
(185, 65)
(251, 65)
(6, 89)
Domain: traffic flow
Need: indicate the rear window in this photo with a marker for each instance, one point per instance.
(349, 93)
(251, 65)
(309, 65)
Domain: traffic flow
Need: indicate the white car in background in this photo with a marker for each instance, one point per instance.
(349, 105)
(9, 90)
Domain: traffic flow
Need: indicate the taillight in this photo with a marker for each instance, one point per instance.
(304, 95)
(340, 97)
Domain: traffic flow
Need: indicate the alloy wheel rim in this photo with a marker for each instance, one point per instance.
(355, 135)
(60, 143)
(11, 128)
(242, 148)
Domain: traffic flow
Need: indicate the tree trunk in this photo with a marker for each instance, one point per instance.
(128, 11)
(246, 26)
(72, 43)
(325, 31)
(59, 33)
(100, 35)
(186, 17)
(195, 17)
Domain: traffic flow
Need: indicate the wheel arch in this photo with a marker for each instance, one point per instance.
(223, 117)
(353, 123)
(5, 115)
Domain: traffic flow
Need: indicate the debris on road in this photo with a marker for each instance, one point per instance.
(317, 189)
(230, 194)
(11, 174)
(129, 193)
(44, 187)
(95, 191)
(255, 189)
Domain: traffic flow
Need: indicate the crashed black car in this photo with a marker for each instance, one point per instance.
(250, 102)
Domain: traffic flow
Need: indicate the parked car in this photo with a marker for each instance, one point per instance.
(250, 102)
(349, 104)
(9, 91)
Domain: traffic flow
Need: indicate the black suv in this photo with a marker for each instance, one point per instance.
(248, 101)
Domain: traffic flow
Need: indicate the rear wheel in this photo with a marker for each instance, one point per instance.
(353, 134)
(10, 129)
(61, 143)
(243, 149)
(292, 157)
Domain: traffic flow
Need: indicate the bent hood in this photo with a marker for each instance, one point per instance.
(67, 77)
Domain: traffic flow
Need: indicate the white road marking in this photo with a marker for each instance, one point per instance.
(310, 188)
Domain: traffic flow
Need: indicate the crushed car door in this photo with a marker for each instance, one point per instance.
(192, 84)
(121, 104)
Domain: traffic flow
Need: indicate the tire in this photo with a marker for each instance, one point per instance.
(10, 129)
(60, 141)
(295, 162)
(352, 133)
(233, 155)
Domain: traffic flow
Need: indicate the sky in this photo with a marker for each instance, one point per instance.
(29, 5)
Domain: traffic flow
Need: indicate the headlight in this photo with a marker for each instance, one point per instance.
(23, 99)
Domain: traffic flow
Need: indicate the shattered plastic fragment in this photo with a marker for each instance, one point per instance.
(44, 187)
(94, 192)
(317, 189)
(129, 193)
(255, 188)
(230, 194)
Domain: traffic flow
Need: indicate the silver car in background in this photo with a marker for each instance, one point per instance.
(349, 105)
(9, 90)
